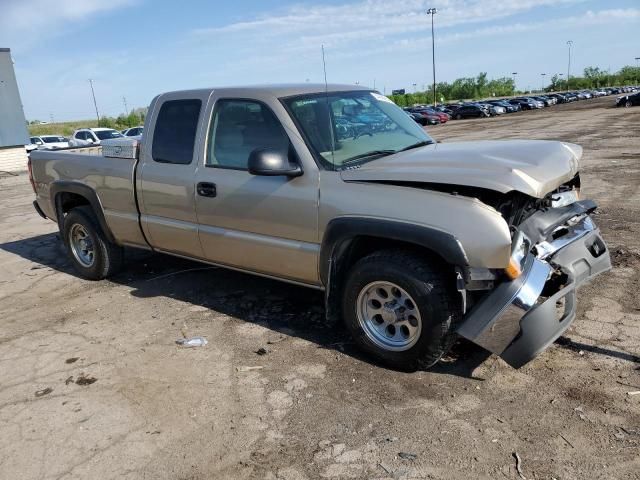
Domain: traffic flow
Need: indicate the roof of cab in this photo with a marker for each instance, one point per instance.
(281, 90)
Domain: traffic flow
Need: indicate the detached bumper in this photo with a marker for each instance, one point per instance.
(521, 318)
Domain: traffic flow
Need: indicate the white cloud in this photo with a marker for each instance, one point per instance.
(25, 23)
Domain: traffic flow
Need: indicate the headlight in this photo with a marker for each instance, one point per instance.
(562, 199)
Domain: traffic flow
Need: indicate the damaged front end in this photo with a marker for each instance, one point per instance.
(555, 250)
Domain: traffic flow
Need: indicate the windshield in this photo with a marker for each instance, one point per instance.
(53, 139)
(107, 134)
(351, 128)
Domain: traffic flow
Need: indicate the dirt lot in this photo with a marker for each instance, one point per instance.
(92, 384)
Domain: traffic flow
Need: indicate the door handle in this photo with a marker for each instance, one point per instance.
(206, 189)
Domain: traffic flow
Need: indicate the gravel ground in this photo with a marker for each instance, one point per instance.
(92, 384)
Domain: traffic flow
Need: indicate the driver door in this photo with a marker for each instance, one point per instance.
(264, 224)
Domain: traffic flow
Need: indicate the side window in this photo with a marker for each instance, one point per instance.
(79, 135)
(174, 136)
(238, 127)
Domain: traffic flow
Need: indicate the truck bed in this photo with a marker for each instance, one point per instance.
(112, 179)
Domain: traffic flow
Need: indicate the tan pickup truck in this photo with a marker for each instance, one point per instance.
(336, 188)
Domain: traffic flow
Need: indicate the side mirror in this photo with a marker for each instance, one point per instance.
(272, 163)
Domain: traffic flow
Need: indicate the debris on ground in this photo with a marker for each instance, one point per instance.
(43, 392)
(192, 342)
(262, 351)
(249, 369)
(407, 456)
(69, 380)
(519, 465)
(636, 392)
(85, 380)
(72, 360)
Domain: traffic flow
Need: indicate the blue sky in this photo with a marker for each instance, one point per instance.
(138, 48)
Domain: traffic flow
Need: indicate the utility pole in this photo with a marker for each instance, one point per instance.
(542, 75)
(51, 117)
(569, 43)
(432, 12)
(126, 110)
(513, 74)
(93, 94)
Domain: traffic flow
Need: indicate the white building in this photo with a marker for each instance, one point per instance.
(13, 126)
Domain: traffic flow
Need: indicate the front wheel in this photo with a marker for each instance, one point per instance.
(401, 308)
(627, 104)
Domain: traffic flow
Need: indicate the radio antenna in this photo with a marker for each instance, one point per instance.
(324, 67)
(326, 97)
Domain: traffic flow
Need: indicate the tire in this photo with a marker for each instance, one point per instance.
(97, 258)
(416, 341)
(458, 117)
(627, 104)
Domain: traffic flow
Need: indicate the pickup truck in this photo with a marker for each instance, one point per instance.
(334, 187)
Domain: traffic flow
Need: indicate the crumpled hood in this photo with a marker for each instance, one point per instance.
(533, 167)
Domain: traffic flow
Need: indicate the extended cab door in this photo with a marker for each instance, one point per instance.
(165, 178)
(264, 224)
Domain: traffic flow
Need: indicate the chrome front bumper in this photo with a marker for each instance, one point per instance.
(521, 318)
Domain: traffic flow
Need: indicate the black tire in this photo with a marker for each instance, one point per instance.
(431, 288)
(107, 257)
(627, 104)
(458, 117)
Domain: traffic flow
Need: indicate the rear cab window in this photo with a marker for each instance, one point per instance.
(175, 131)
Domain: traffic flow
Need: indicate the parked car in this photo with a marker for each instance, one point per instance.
(92, 136)
(560, 98)
(421, 119)
(492, 109)
(442, 117)
(426, 117)
(133, 132)
(491, 241)
(524, 103)
(49, 142)
(628, 100)
(509, 108)
(470, 111)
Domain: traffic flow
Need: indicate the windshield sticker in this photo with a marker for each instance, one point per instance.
(380, 98)
(301, 103)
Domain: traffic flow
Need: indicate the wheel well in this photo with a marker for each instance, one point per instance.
(358, 247)
(65, 201)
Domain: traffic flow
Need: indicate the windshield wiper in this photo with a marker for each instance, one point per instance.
(416, 145)
(372, 153)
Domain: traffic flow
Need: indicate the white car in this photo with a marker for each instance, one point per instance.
(48, 142)
(133, 132)
(92, 136)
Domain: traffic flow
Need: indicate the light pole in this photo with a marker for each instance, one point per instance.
(513, 74)
(432, 12)
(569, 43)
(94, 101)
(637, 59)
(414, 87)
(542, 75)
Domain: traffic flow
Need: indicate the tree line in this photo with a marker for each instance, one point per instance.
(469, 88)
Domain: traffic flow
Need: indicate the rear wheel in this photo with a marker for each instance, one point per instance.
(400, 308)
(627, 104)
(92, 254)
(458, 117)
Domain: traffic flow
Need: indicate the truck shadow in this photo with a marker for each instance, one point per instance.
(280, 307)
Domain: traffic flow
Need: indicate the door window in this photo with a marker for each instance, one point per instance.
(240, 127)
(174, 136)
